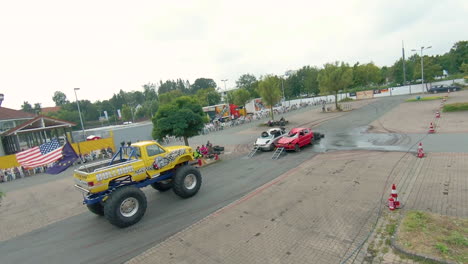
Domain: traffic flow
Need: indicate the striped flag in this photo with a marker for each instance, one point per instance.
(41, 155)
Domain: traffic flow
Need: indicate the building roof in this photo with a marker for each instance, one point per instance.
(38, 123)
(45, 110)
(12, 114)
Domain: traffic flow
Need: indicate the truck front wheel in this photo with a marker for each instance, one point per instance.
(187, 181)
(125, 206)
(96, 208)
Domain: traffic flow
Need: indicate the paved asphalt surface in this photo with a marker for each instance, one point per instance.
(86, 238)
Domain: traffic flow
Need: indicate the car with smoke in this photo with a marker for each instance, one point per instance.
(297, 138)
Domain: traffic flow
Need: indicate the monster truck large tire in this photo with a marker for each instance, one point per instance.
(125, 206)
(96, 208)
(162, 186)
(187, 181)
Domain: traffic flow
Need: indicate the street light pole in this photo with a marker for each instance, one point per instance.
(422, 65)
(227, 100)
(79, 112)
(282, 87)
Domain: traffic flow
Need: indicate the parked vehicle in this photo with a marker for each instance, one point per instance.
(268, 139)
(92, 137)
(443, 88)
(297, 138)
(112, 187)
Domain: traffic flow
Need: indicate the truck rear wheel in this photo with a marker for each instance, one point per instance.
(162, 186)
(96, 208)
(125, 206)
(187, 181)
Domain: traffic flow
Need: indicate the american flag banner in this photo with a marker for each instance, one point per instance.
(40, 155)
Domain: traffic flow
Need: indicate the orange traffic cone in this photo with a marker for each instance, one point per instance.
(437, 114)
(420, 151)
(391, 203)
(394, 195)
(200, 163)
(431, 129)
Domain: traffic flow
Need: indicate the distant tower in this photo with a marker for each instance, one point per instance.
(1, 98)
(404, 63)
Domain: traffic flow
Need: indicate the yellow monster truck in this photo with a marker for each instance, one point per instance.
(112, 187)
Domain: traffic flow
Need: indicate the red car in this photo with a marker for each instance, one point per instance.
(297, 138)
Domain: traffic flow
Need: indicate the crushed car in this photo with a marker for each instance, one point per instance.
(268, 139)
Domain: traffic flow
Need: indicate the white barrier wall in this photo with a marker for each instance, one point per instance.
(401, 90)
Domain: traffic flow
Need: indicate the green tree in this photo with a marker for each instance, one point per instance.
(310, 80)
(168, 97)
(431, 69)
(208, 96)
(241, 97)
(27, 107)
(148, 109)
(335, 77)
(68, 115)
(89, 110)
(135, 98)
(464, 68)
(269, 90)
(59, 98)
(459, 54)
(365, 75)
(295, 84)
(118, 100)
(127, 113)
(181, 118)
(384, 75)
(202, 83)
(213, 97)
(167, 86)
(37, 108)
(249, 83)
(183, 86)
(229, 97)
(105, 106)
(149, 91)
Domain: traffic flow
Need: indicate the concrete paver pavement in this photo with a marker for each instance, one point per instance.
(320, 211)
(414, 117)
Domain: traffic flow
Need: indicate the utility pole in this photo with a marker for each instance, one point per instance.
(82, 126)
(227, 100)
(404, 63)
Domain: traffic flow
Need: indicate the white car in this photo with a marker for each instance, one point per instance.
(268, 139)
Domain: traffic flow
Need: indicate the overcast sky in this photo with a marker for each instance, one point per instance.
(102, 46)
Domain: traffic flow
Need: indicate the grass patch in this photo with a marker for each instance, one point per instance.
(427, 98)
(391, 228)
(456, 107)
(442, 237)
